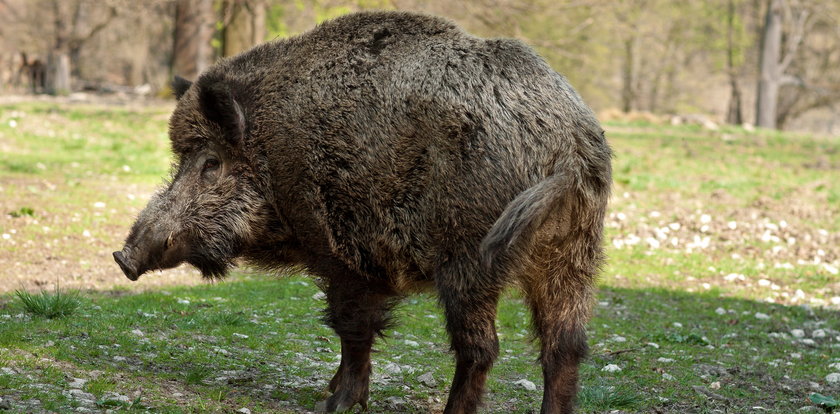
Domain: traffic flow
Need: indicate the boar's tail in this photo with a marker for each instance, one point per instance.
(526, 212)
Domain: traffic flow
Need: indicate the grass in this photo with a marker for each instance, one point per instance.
(279, 356)
(722, 245)
(49, 305)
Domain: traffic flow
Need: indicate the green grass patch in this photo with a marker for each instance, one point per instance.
(677, 352)
(49, 305)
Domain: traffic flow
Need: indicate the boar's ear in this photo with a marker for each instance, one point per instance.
(180, 86)
(219, 105)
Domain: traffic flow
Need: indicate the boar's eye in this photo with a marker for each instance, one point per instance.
(211, 164)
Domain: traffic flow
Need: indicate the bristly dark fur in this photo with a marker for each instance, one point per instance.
(388, 152)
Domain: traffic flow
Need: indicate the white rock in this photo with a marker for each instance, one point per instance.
(720, 311)
(528, 385)
(611, 368)
(668, 377)
(319, 296)
(797, 333)
(833, 378)
(243, 410)
(120, 358)
(77, 383)
(138, 332)
(653, 345)
(239, 335)
(81, 395)
(427, 379)
(835, 365)
(715, 385)
(618, 338)
(665, 360)
(796, 355)
(818, 333)
(411, 343)
(762, 316)
(678, 325)
(392, 368)
(808, 341)
(183, 301)
(8, 371)
(112, 396)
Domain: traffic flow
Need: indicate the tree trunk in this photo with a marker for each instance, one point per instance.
(734, 114)
(58, 73)
(770, 73)
(194, 24)
(245, 27)
(628, 94)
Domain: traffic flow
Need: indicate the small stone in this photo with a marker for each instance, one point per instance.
(653, 345)
(818, 333)
(611, 368)
(814, 386)
(138, 332)
(808, 341)
(411, 343)
(678, 325)
(618, 338)
(392, 368)
(5, 404)
(665, 360)
(427, 379)
(835, 365)
(81, 395)
(796, 355)
(833, 378)
(77, 383)
(8, 371)
(395, 403)
(319, 296)
(720, 311)
(797, 333)
(183, 301)
(239, 335)
(120, 358)
(243, 410)
(668, 377)
(528, 385)
(112, 396)
(715, 385)
(762, 316)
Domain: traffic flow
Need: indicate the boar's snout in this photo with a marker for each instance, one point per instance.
(126, 265)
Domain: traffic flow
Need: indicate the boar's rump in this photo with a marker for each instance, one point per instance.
(388, 152)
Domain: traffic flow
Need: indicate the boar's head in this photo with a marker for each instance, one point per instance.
(209, 210)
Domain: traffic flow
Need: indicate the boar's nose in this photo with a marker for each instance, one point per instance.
(126, 266)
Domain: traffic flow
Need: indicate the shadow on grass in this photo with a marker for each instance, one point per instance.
(260, 344)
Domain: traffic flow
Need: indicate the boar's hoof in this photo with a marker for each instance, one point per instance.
(338, 403)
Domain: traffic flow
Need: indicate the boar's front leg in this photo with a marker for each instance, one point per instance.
(357, 311)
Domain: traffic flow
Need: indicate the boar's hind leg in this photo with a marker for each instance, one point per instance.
(558, 286)
(358, 312)
(469, 299)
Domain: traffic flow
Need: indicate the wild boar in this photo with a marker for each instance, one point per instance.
(386, 153)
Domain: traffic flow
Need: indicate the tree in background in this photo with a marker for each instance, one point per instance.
(660, 56)
(194, 25)
(243, 25)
